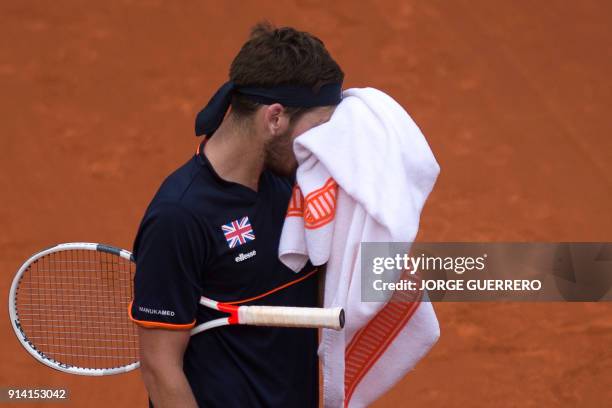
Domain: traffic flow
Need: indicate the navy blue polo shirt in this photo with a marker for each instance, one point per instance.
(202, 235)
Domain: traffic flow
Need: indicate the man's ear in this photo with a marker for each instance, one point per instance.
(275, 120)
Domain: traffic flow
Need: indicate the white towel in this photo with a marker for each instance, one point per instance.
(363, 176)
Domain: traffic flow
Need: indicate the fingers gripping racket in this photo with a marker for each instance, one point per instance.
(68, 306)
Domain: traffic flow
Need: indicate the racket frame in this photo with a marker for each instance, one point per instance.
(23, 339)
(335, 323)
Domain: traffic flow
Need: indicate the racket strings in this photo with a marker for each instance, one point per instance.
(72, 306)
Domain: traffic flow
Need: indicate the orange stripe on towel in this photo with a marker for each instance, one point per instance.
(372, 341)
(320, 205)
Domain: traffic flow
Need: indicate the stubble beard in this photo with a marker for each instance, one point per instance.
(279, 156)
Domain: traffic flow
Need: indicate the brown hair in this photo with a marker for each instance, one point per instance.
(281, 56)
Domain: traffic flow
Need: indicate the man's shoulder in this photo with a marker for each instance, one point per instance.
(179, 183)
(175, 195)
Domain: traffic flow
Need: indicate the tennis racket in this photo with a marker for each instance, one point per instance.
(68, 305)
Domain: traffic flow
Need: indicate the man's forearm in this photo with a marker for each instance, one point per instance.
(168, 388)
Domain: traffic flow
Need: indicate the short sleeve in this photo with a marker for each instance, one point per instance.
(169, 250)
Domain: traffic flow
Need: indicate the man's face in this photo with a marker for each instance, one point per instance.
(279, 150)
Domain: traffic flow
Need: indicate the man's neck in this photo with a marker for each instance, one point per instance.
(235, 154)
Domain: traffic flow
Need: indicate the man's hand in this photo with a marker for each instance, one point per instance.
(161, 364)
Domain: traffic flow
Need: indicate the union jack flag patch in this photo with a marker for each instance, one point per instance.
(238, 232)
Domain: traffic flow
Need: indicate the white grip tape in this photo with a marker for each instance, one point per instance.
(330, 318)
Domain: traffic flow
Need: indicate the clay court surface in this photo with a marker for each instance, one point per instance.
(98, 103)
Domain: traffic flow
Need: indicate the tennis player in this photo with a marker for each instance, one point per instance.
(213, 229)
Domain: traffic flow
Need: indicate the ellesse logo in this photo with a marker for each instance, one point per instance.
(242, 257)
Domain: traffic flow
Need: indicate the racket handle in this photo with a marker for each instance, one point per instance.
(313, 317)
